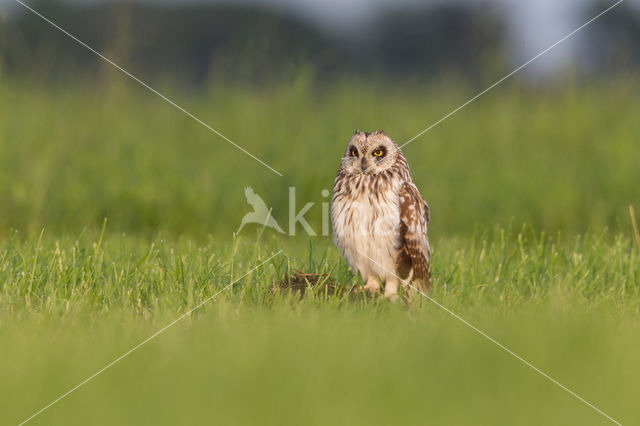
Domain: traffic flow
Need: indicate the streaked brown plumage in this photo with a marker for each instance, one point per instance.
(379, 217)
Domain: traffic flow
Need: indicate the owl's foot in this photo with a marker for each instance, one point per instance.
(373, 285)
(391, 290)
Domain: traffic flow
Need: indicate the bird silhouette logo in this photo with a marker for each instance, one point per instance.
(260, 214)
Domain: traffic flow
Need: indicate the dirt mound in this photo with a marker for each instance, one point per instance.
(299, 283)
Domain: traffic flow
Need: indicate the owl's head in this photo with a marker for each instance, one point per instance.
(370, 153)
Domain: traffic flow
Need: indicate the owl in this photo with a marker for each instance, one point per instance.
(379, 217)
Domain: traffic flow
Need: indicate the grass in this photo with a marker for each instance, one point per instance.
(76, 292)
(315, 364)
(252, 356)
(498, 272)
(75, 154)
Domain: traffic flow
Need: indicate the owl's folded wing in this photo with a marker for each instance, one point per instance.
(414, 249)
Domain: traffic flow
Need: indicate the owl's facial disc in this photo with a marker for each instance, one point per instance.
(369, 153)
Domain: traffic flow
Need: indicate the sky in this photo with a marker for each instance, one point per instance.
(533, 25)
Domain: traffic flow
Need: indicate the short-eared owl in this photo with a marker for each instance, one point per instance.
(379, 217)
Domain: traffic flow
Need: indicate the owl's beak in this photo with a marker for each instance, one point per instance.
(363, 164)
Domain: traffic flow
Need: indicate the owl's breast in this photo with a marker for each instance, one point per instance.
(366, 225)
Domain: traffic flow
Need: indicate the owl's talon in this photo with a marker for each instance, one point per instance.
(372, 286)
(391, 290)
(392, 297)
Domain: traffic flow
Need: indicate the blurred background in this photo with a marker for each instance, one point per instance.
(261, 40)
(290, 80)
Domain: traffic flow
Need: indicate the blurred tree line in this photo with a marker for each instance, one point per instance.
(195, 42)
(613, 44)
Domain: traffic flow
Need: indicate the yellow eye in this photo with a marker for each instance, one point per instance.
(354, 152)
(378, 152)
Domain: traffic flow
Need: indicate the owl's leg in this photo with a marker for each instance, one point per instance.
(373, 284)
(391, 289)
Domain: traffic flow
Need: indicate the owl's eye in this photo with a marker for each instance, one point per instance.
(354, 152)
(378, 152)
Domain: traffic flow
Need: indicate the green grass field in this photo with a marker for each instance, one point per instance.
(533, 243)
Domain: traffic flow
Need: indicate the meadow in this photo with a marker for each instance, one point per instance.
(118, 215)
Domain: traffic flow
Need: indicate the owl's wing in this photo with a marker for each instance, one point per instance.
(414, 250)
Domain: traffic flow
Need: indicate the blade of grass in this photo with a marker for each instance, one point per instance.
(632, 213)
